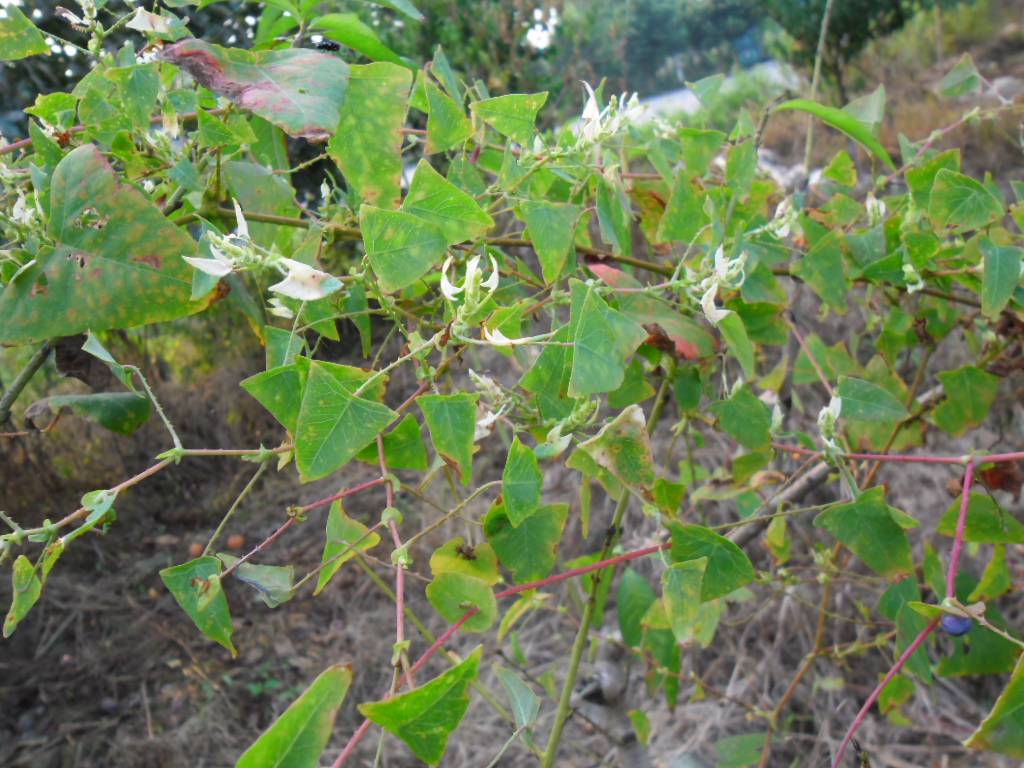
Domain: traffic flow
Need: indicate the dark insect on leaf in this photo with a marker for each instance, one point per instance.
(327, 45)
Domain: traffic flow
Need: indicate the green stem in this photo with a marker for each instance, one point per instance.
(815, 80)
(234, 506)
(583, 634)
(22, 379)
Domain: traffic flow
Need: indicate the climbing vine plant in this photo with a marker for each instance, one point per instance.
(620, 277)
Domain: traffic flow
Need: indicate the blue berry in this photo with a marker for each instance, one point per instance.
(956, 625)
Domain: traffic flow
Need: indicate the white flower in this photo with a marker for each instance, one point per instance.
(786, 220)
(721, 263)
(828, 416)
(219, 266)
(875, 208)
(22, 212)
(278, 309)
(913, 278)
(471, 282)
(305, 283)
(707, 303)
(485, 424)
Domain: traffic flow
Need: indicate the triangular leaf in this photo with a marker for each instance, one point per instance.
(521, 482)
(426, 717)
(451, 420)
(401, 247)
(513, 115)
(867, 527)
(333, 425)
(298, 737)
(436, 200)
(530, 549)
(345, 539)
(728, 568)
(196, 587)
(623, 447)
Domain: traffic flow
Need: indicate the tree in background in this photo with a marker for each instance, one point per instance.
(853, 25)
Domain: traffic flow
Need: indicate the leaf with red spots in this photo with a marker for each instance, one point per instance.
(297, 89)
(116, 261)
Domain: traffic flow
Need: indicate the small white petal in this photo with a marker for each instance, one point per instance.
(215, 267)
(491, 283)
(707, 303)
(497, 338)
(242, 228)
(305, 283)
(448, 290)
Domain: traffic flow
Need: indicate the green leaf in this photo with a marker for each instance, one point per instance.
(745, 418)
(436, 200)
(864, 401)
(869, 110)
(455, 556)
(681, 586)
(868, 528)
(684, 216)
(26, 587)
(1000, 277)
(402, 6)
(822, 269)
(297, 89)
(139, 87)
(551, 228)
(614, 217)
(19, 37)
(401, 247)
(403, 447)
(368, 144)
(603, 340)
(970, 393)
(298, 737)
(962, 203)
(333, 425)
(258, 189)
(273, 583)
(987, 522)
(996, 580)
(841, 121)
(521, 482)
(530, 549)
(736, 339)
(349, 30)
(513, 115)
(279, 390)
(120, 412)
(525, 703)
(623, 447)
(451, 420)
(345, 538)
(452, 594)
(108, 240)
(447, 124)
(1002, 730)
(728, 568)
(740, 751)
(426, 717)
(961, 80)
(634, 597)
(196, 587)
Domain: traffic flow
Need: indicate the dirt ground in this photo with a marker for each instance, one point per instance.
(107, 671)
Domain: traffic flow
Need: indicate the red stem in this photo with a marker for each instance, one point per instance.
(961, 526)
(891, 457)
(342, 494)
(291, 520)
(863, 714)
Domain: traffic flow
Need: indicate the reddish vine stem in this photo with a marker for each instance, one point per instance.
(899, 458)
(438, 644)
(961, 527)
(293, 517)
(389, 495)
(863, 713)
